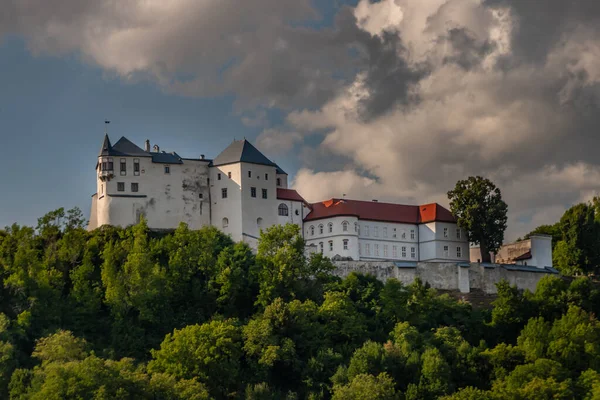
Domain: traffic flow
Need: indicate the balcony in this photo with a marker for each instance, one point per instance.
(106, 175)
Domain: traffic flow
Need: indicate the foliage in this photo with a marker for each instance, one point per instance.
(479, 209)
(130, 313)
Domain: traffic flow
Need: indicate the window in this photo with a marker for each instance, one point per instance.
(345, 226)
(445, 232)
(103, 166)
(330, 227)
(458, 233)
(134, 187)
(376, 246)
(123, 167)
(167, 169)
(200, 195)
(385, 250)
(259, 221)
(356, 227)
(225, 222)
(366, 230)
(412, 233)
(345, 244)
(403, 252)
(331, 245)
(229, 175)
(312, 230)
(384, 232)
(395, 251)
(218, 177)
(445, 251)
(359, 249)
(253, 192)
(394, 234)
(120, 186)
(136, 166)
(297, 212)
(459, 252)
(403, 235)
(320, 229)
(110, 164)
(368, 249)
(266, 177)
(224, 193)
(249, 174)
(278, 181)
(321, 247)
(264, 193)
(283, 210)
(376, 231)
(413, 252)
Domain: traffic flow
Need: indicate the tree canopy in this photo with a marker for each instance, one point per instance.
(135, 314)
(479, 209)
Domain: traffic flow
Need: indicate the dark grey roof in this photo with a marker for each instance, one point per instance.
(279, 170)
(166, 158)
(124, 147)
(106, 147)
(242, 151)
(524, 268)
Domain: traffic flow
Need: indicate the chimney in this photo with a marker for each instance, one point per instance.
(147, 145)
(202, 156)
(156, 148)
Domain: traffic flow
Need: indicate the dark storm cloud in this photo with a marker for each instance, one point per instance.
(541, 24)
(466, 51)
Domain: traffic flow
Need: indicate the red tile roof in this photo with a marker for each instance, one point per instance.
(289, 194)
(376, 211)
(524, 256)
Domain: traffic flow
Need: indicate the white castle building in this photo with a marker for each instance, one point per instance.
(241, 192)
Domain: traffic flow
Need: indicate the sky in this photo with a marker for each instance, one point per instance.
(392, 100)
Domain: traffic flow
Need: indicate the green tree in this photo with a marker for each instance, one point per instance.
(479, 209)
(210, 352)
(367, 387)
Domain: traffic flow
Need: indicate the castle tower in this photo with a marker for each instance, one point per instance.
(243, 192)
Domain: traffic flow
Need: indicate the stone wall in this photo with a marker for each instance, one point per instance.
(461, 277)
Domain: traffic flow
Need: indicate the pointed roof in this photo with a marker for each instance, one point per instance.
(106, 147)
(242, 151)
(125, 147)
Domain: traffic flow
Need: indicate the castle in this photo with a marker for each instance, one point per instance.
(241, 192)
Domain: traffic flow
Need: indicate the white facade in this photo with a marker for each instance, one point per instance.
(242, 192)
(165, 194)
(379, 240)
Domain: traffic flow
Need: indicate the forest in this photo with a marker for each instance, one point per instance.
(136, 314)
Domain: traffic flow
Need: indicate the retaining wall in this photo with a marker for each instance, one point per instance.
(461, 277)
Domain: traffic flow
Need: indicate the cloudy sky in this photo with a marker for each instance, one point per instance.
(394, 100)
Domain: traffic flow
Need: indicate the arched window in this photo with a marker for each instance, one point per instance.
(312, 230)
(330, 227)
(259, 222)
(345, 226)
(320, 229)
(283, 210)
(225, 222)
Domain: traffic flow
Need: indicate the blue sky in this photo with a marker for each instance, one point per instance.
(388, 99)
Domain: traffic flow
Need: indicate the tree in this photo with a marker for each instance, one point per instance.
(210, 352)
(366, 387)
(479, 209)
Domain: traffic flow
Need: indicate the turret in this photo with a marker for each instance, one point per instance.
(105, 167)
